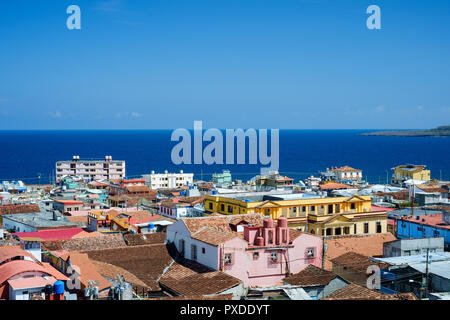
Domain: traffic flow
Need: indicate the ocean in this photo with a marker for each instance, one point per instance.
(26, 154)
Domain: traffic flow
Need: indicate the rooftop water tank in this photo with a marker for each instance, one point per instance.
(282, 222)
(268, 223)
(259, 241)
(58, 287)
(214, 192)
(151, 226)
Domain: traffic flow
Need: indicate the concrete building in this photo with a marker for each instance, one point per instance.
(89, 170)
(223, 178)
(23, 277)
(273, 181)
(409, 247)
(323, 216)
(31, 222)
(257, 252)
(168, 180)
(424, 226)
(343, 174)
(409, 171)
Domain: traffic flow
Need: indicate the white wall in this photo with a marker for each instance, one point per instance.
(20, 227)
(178, 231)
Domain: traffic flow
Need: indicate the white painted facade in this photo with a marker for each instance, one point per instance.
(16, 226)
(168, 180)
(207, 254)
(91, 169)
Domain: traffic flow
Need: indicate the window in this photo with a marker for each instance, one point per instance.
(329, 232)
(193, 252)
(228, 258)
(312, 208)
(378, 227)
(210, 206)
(294, 209)
(303, 209)
(274, 256)
(230, 209)
(255, 255)
(310, 253)
(270, 233)
(222, 207)
(352, 206)
(203, 250)
(366, 227)
(330, 209)
(182, 247)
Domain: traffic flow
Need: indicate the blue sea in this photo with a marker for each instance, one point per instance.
(26, 154)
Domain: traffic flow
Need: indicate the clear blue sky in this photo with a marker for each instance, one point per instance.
(250, 63)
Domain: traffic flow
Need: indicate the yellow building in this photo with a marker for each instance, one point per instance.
(323, 216)
(410, 171)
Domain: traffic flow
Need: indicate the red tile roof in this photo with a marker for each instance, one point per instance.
(19, 208)
(310, 276)
(356, 262)
(69, 202)
(368, 245)
(433, 220)
(357, 292)
(51, 235)
(190, 278)
(333, 185)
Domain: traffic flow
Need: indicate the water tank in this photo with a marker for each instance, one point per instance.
(268, 223)
(151, 226)
(259, 241)
(58, 287)
(214, 192)
(48, 289)
(282, 222)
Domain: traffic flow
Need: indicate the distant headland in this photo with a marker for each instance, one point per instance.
(441, 131)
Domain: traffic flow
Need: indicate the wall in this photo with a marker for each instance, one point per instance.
(19, 227)
(264, 272)
(407, 229)
(177, 231)
(412, 247)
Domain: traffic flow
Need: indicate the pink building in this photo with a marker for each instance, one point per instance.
(260, 253)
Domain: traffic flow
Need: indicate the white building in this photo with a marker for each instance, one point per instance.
(168, 180)
(90, 170)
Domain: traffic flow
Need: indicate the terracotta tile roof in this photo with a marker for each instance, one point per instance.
(145, 189)
(87, 243)
(333, 185)
(19, 208)
(213, 236)
(69, 202)
(251, 218)
(433, 220)
(88, 270)
(149, 238)
(190, 278)
(227, 296)
(431, 188)
(356, 262)
(399, 195)
(146, 262)
(310, 276)
(357, 292)
(112, 271)
(216, 222)
(346, 169)
(368, 245)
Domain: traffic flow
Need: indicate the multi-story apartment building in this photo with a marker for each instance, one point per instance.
(323, 216)
(90, 170)
(168, 180)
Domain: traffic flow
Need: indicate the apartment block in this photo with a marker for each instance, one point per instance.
(168, 180)
(89, 170)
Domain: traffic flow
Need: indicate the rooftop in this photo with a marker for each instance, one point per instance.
(310, 276)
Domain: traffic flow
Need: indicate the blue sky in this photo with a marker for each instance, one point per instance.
(161, 64)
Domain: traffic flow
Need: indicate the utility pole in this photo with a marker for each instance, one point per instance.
(426, 275)
(324, 247)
